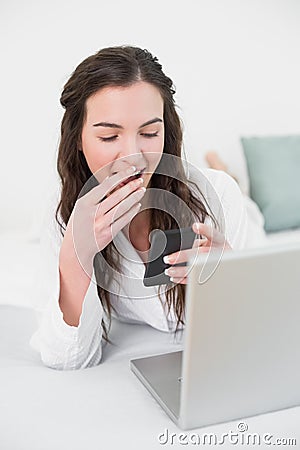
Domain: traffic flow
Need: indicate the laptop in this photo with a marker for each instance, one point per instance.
(241, 347)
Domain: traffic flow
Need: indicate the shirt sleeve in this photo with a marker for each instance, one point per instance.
(225, 200)
(234, 211)
(62, 346)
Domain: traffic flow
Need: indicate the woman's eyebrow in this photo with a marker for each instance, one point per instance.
(114, 125)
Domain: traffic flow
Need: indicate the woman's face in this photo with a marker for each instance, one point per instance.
(124, 127)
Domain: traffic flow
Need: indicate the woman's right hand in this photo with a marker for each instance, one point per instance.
(97, 217)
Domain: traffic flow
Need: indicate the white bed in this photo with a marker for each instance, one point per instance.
(101, 407)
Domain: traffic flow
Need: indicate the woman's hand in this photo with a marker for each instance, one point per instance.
(97, 217)
(212, 239)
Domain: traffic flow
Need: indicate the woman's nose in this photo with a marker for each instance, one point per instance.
(130, 152)
(129, 147)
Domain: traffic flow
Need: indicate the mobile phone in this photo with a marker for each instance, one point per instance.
(165, 242)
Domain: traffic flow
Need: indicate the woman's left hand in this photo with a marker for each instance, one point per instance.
(212, 239)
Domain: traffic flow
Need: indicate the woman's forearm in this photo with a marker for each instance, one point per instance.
(74, 281)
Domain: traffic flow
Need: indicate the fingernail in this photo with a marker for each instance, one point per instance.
(170, 271)
(131, 169)
(197, 225)
(166, 259)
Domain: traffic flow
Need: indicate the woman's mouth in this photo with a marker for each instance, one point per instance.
(133, 177)
(137, 175)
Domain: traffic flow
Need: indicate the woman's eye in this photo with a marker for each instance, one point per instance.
(111, 138)
(149, 135)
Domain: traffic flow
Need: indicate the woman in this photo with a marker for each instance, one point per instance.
(120, 112)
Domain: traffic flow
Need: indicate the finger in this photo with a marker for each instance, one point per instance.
(99, 192)
(114, 199)
(199, 242)
(120, 209)
(177, 272)
(179, 280)
(183, 255)
(209, 232)
(120, 223)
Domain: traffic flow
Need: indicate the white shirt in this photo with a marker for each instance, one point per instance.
(63, 346)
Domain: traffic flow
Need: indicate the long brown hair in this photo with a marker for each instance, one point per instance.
(123, 66)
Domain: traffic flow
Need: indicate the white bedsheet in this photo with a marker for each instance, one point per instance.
(283, 237)
(104, 407)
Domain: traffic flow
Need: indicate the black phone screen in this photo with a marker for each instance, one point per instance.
(164, 243)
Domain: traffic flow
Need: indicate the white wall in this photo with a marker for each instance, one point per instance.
(235, 64)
